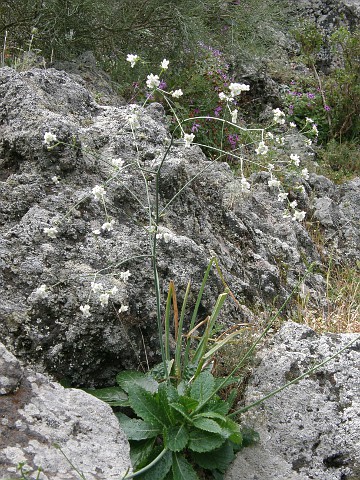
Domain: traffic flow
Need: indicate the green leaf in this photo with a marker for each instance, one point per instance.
(146, 407)
(250, 436)
(207, 424)
(218, 459)
(128, 378)
(114, 396)
(202, 441)
(159, 470)
(176, 438)
(182, 410)
(136, 429)
(166, 395)
(203, 386)
(189, 403)
(181, 468)
(141, 452)
(231, 430)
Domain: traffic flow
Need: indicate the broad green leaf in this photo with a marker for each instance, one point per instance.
(202, 441)
(146, 406)
(207, 424)
(216, 405)
(189, 403)
(218, 459)
(128, 378)
(136, 429)
(159, 470)
(176, 438)
(250, 436)
(166, 395)
(181, 468)
(182, 410)
(202, 387)
(141, 452)
(114, 396)
(231, 430)
(228, 381)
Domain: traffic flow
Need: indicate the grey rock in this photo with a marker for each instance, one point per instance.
(42, 414)
(262, 255)
(312, 428)
(10, 371)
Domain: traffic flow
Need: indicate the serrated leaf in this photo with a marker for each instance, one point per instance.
(140, 453)
(218, 459)
(136, 429)
(202, 441)
(146, 407)
(176, 438)
(182, 410)
(231, 429)
(207, 424)
(189, 403)
(202, 387)
(181, 468)
(128, 378)
(250, 436)
(160, 470)
(217, 406)
(114, 396)
(166, 395)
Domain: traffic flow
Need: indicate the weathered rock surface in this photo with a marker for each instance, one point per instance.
(36, 413)
(262, 255)
(312, 429)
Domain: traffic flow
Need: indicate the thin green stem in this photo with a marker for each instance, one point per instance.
(145, 469)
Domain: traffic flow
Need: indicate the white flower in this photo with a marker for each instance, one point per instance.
(104, 299)
(270, 167)
(224, 97)
(280, 140)
(279, 116)
(125, 276)
(108, 226)
(133, 120)
(188, 138)
(178, 93)
(85, 310)
(293, 204)
(295, 158)
(292, 125)
(299, 215)
(41, 292)
(114, 290)
(273, 182)
(117, 162)
(305, 173)
(55, 179)
(282, 196)
(96, 232)
(308, 142)
(49, 138)
(245, 185)
(301, 188)
(96, 287)
(234, 115)
(237, 88)
(309, 120)
(152, 81)
(269, 135)
(262, 149)
(98, 192)
(133, 59)
(123, 308)
(165, 64)
(314, 128)
(51, 232)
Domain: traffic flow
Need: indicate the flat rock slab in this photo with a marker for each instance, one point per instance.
(40, 414)
(310, 430)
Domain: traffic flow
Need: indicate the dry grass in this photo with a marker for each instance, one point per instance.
(340, 312)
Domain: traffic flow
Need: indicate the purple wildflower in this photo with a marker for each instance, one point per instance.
(311, 95)
(217, 110)
(195, 127)
(162, 85)
(327, 108)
